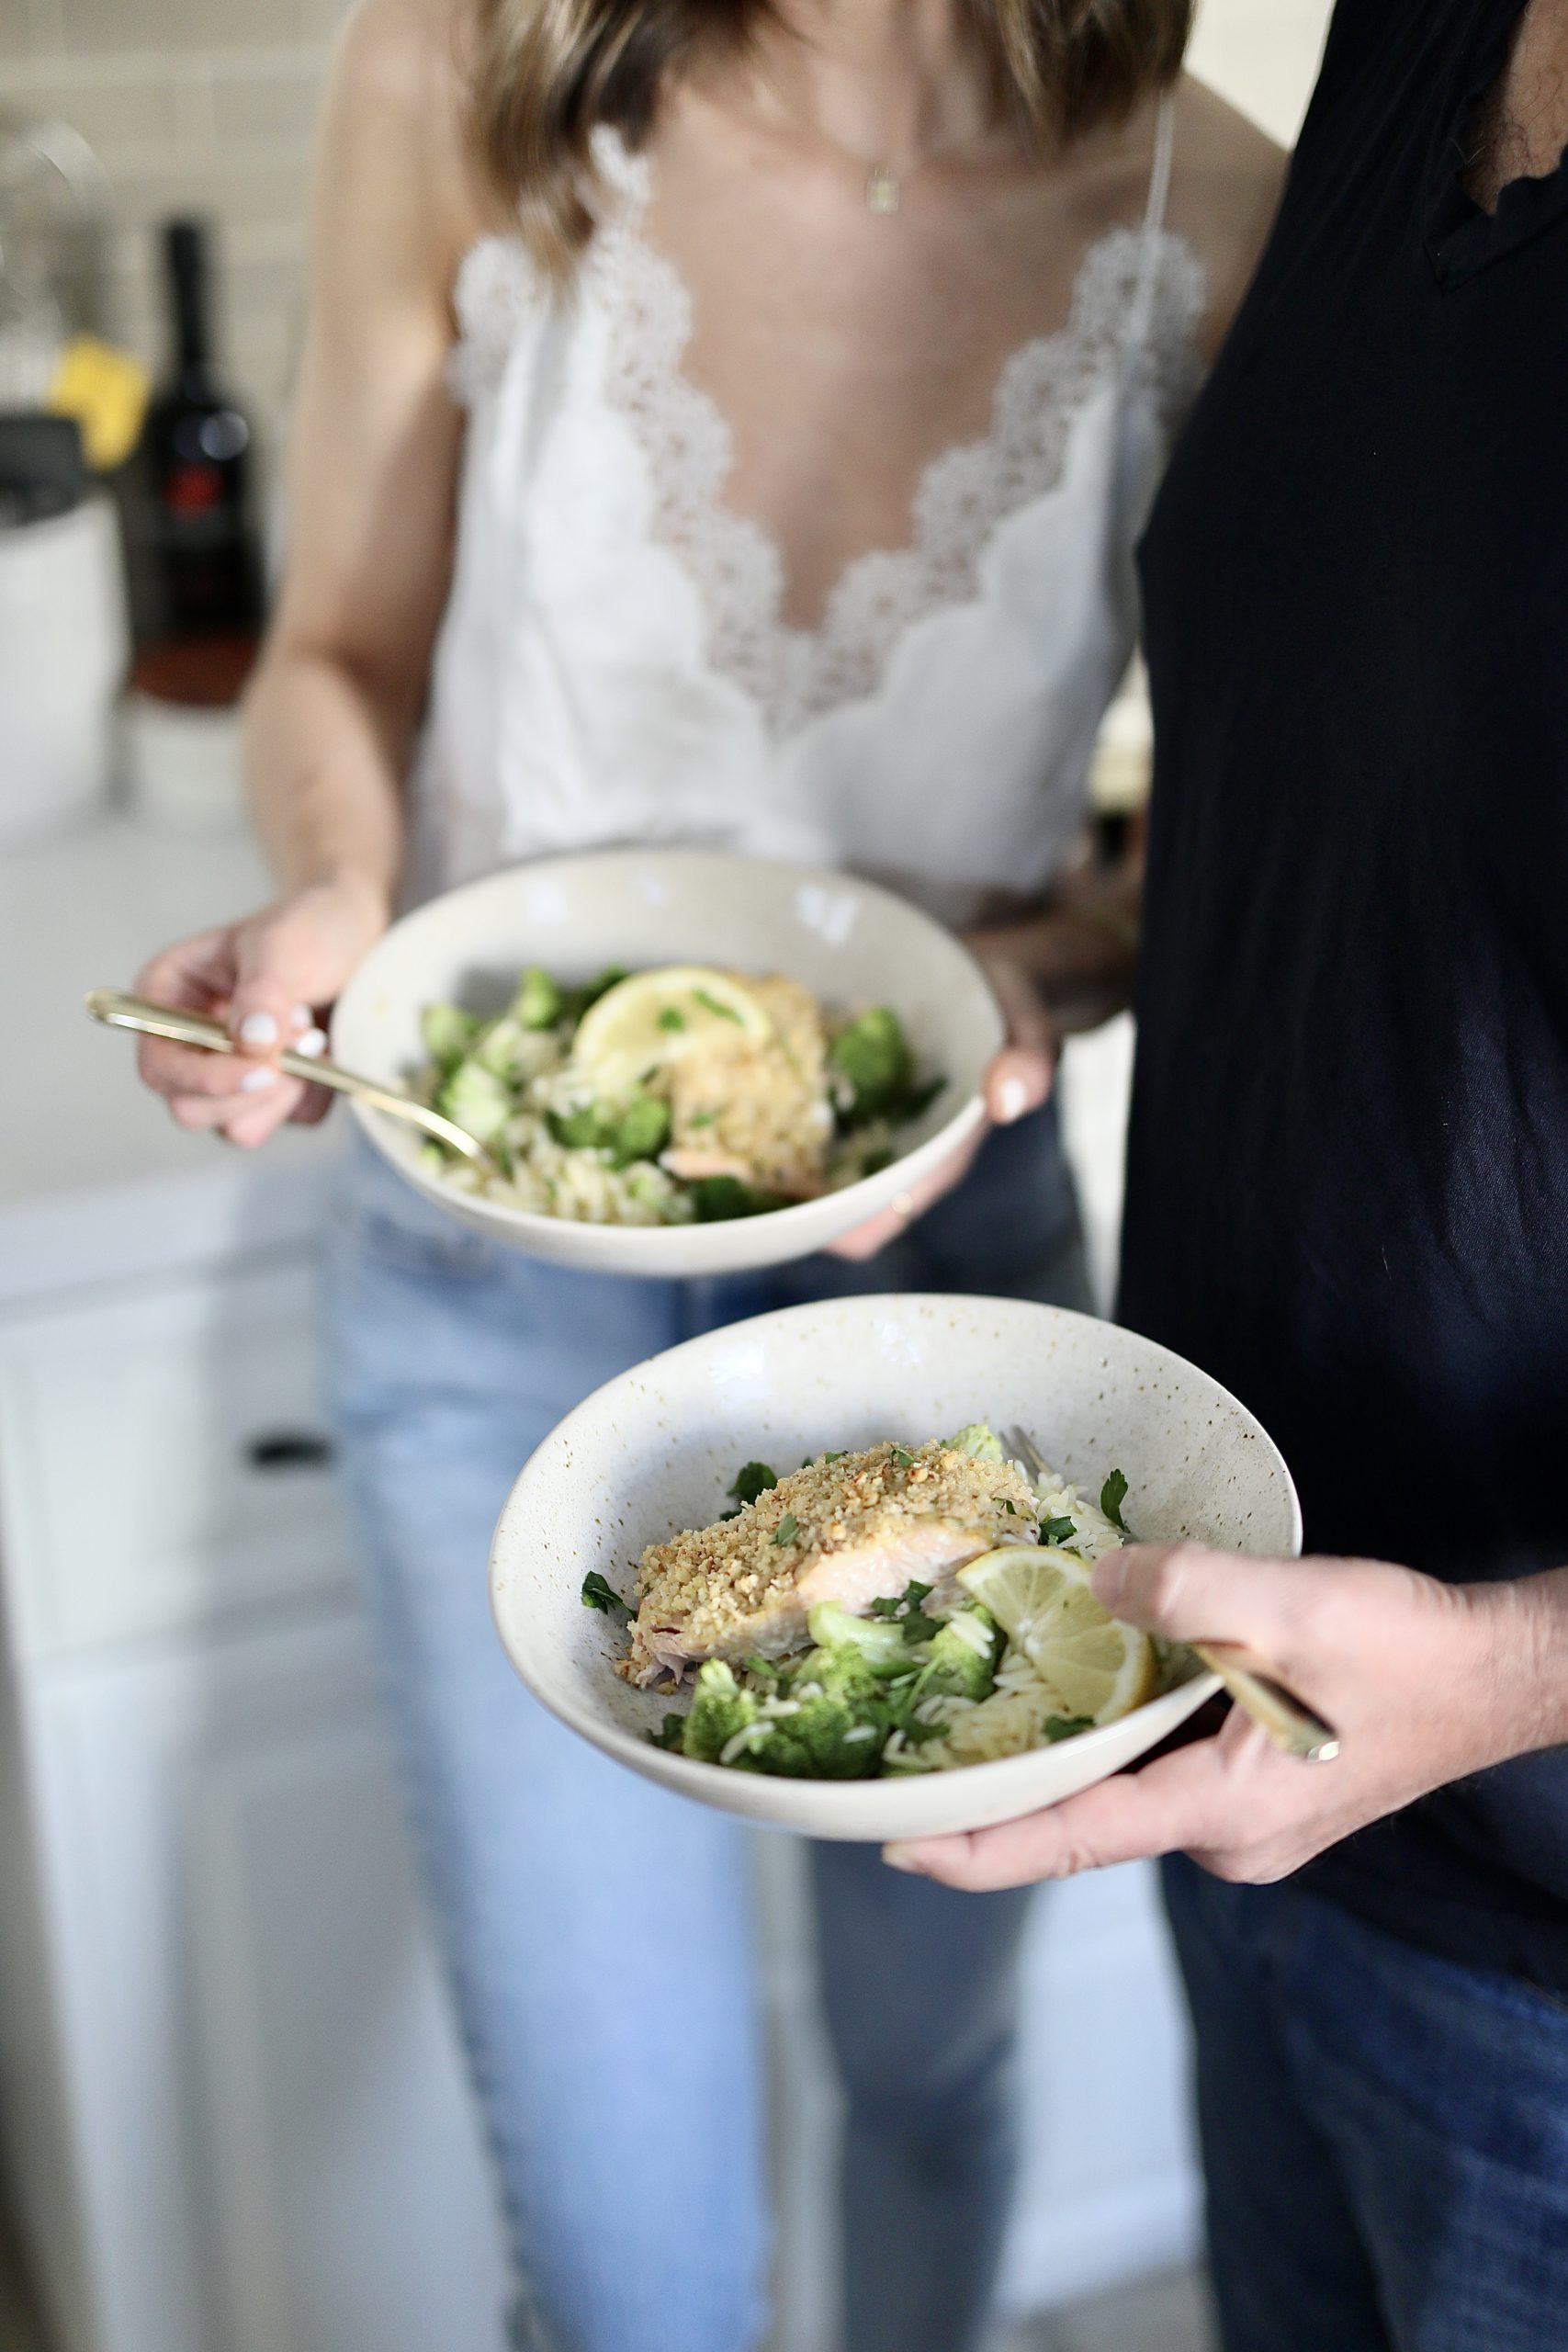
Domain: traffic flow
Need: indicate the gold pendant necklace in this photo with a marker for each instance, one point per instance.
(883, 192)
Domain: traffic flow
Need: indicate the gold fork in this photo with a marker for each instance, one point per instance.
(1289, 1724)
(120, 1011)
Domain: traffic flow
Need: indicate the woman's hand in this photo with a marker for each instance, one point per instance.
(1016, 1082)
(271, 979)
(1424, 1682)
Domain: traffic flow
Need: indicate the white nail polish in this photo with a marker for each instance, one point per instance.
(302, 1017)
(312, 1044)
(1012, 1100)
(257, 1081)
(258, 1029)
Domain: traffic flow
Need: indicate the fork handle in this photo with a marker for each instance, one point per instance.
(1289, 1724)
(117, 1011)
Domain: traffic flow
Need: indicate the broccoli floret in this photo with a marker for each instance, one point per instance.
(498, 1048)
(960, 1666)
(828, 1738)
(641, 1131)
(539, 1003)
(584, 1127)
(479, 1100)
(844, 1672)
(448, 1032)
(979, 1440)
(872, 1054)
(877, 1640)
(719, 1709)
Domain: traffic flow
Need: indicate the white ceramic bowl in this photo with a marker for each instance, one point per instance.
(654, 1451)
(850, 942)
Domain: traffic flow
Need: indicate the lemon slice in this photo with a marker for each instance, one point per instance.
(655, 1018)
(1041, 1598)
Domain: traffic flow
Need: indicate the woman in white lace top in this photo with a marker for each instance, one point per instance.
(723, 424)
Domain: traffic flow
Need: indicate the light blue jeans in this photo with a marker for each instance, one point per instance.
(598, 1932)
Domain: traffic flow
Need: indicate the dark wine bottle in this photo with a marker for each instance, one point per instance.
(198, 445)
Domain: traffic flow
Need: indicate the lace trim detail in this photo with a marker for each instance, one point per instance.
(499, 289)
(498, 292)
(960, 502)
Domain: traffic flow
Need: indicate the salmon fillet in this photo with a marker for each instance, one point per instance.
(853, 1531)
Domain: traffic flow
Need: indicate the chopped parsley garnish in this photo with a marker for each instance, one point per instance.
(834, 1457)
(672, 1018)
(1011, 1509)
(905, 1462)
(787, 1529)
(907, 1612)
(1113, 1495)
(717, 1005)
(754, 1479)
(701, 1119)
(1066, 1727)
(1056, 1531)
(597, 1594)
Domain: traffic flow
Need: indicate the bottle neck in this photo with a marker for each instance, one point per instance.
(189, 303)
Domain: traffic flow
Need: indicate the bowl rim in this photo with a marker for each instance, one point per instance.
(612, 1241)
(704, 1781)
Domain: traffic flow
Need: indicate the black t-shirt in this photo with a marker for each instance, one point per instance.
(1349, 1163)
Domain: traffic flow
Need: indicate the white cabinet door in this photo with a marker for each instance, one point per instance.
(162, 1460)
(276, 2148)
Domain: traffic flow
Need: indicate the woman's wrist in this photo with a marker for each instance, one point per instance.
(363, 899)
(1520, 1662)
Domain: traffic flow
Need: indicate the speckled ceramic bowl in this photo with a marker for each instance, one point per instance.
(851, 944)
(653, 1452)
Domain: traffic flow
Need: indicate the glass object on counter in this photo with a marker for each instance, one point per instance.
(197, 444)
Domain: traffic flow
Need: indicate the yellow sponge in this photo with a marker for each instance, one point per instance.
(106, 390)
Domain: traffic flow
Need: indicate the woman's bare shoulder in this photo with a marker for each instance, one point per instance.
(397, 110)
(1225, 193)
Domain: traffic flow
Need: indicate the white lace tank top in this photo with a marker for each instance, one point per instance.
(614, 665)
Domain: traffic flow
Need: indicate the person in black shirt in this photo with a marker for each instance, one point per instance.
(1348, 1198)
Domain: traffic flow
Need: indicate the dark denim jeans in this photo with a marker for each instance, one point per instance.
(1385, 2134)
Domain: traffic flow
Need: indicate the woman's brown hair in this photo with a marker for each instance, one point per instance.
(547, 72)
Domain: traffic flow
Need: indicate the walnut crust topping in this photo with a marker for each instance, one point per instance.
(708, 1582)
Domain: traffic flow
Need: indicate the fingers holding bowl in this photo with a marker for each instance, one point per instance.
(863, 1241)
(1020, 1077)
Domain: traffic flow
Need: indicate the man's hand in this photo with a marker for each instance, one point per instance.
(1424, 1682)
